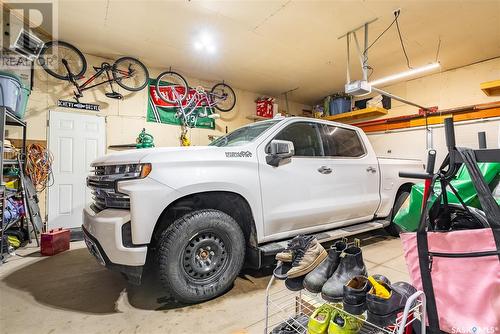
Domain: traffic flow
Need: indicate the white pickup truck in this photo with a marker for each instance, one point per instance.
(200, 213)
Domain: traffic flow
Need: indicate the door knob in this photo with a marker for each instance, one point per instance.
(371, 169)
(324, 170)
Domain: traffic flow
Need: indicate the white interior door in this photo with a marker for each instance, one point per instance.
(74, 140)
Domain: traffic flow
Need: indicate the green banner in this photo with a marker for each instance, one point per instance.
(160, 111)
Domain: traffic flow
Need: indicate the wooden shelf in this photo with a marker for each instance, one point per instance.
(357, 114)
(491, 88)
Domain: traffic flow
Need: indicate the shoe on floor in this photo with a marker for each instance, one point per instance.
(315, 279)
(293, 325)
(343, 323)
(308, 254)
(351, 264)
(383, 311)
(354, 299)
(320, 319)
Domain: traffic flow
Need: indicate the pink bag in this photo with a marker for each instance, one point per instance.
(459, 270)
(465, 273)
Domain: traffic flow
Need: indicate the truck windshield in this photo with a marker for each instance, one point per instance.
(243, 135)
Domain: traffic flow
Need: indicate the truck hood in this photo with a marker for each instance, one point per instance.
(155, 154)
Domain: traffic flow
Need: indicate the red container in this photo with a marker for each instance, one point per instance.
(55, 241)
(265, 108)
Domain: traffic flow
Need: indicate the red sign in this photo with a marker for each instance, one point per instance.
(168, 91)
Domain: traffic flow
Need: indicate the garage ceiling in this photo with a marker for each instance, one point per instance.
(273, 46)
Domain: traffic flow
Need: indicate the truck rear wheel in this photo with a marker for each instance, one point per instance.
(200, 255)
(394, 229)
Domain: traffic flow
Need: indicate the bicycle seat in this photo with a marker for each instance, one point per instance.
(114, 95)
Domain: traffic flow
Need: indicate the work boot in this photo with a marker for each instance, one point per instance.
(383, 311)
(351, 264)
(308, 254)
(354, 299)
(315, 279)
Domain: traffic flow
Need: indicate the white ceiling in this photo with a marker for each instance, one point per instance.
(274, 46)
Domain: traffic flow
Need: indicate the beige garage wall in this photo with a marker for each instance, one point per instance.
(126, 118)
(447, 89)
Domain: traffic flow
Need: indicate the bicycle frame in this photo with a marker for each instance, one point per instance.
(105, 67)
(194, 102)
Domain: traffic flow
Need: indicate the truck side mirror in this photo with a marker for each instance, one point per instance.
(280, 150)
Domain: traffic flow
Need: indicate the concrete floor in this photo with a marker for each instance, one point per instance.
(71, 293)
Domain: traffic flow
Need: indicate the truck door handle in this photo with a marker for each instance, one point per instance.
(324, 170)
(371, 169)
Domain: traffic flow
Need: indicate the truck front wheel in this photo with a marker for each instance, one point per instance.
(200, 255)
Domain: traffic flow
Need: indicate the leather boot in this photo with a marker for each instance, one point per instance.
(355, 292)
(351, 264)
(315, 279)
(383, 311)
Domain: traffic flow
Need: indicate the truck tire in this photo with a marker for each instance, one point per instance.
(394, 229)
(200, 255)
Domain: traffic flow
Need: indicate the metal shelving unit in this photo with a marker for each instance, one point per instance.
(283, 305)
(7, 118)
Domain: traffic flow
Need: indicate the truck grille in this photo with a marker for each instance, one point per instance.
(102, 181)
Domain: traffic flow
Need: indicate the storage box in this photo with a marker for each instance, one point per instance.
(55, 241)
(13, 94)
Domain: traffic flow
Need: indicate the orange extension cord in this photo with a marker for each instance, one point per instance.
(39, 166)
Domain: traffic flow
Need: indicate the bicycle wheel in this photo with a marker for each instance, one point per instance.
(171, 87)
(223, 96)
(130, 74)
(51, 59)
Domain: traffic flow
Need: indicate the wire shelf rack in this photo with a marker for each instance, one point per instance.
(294, 308)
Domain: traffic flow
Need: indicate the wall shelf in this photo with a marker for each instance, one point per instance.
(357, 114)
(491, 88)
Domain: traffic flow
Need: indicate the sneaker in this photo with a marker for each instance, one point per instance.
(285, 256)
(293, 325)
(320, 319)
(308, 254)
(343, 323)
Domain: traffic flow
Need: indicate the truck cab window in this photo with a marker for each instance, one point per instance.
(305, 138)
(341, 142)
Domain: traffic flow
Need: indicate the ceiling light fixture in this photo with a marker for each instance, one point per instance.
(405, 74)
(205, 42)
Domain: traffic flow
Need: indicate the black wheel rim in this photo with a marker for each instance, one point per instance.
(205, 257)
(130, 74)
(167, 79)
(224, 97)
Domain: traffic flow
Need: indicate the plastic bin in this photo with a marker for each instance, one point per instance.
(339, 105)
(13, 95)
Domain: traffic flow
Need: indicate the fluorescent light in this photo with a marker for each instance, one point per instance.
(205, 42)
(405, 74)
